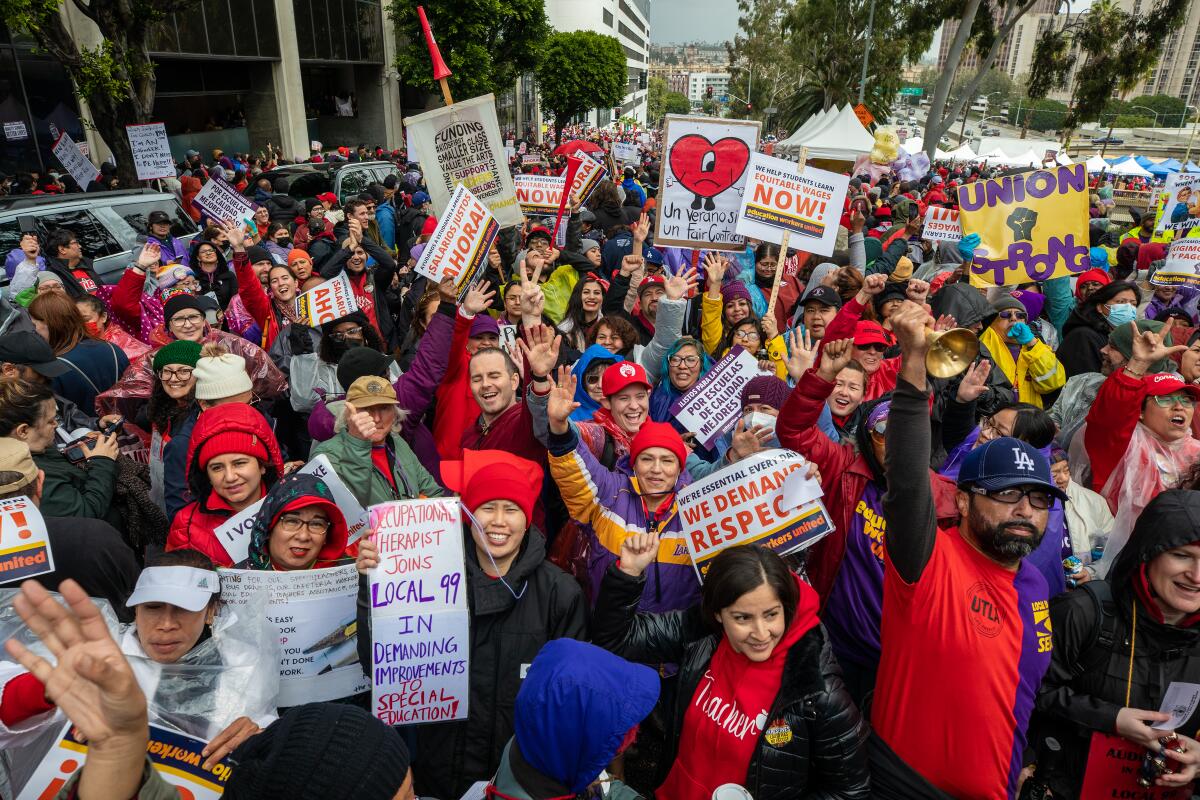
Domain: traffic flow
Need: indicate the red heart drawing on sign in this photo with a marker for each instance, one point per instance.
(708, 168)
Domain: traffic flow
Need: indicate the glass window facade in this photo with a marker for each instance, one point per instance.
(37, 105)
(340, 30)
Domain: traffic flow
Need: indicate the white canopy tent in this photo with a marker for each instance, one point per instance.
(963, 153)
(1097, 164)
(1129, 169)
(842, 137)
(810, 126)
(1027, 159)
(1063, 159)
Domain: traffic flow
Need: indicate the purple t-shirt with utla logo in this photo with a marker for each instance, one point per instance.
(855, 604)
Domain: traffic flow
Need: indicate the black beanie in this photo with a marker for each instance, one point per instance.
(257, 254)
(180, 302)
(322, 751)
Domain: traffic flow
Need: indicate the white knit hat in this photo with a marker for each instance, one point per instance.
(218, 377)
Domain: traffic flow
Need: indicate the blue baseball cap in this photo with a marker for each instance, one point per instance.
(420, 199)
(1006, 462)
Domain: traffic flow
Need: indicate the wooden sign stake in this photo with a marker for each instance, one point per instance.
(783, 244)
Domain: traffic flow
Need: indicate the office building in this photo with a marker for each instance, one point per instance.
(699, 84)
(629, 22)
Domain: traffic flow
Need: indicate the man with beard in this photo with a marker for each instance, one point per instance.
(958, 603)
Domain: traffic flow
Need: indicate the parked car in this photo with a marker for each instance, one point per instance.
(346, 179)
(988, 130)
(1107, 140)
(110, 225)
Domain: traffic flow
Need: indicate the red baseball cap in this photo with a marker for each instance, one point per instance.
(649, 281)
(1164, 383)
(327, 197)
(620, 375)
(867, 332)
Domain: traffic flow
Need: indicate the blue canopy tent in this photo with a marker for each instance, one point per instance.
(1190, 167)
(1164, 169)
(1144, 162)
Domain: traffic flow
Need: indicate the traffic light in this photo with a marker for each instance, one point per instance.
(748, 106)
(708, 92)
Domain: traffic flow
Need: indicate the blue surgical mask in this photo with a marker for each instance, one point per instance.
(1121, 314)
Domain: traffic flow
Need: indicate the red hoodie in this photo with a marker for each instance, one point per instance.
(730, 710)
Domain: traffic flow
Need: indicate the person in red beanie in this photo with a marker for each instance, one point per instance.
(233, 459)
(518, 601)
(1089, 281)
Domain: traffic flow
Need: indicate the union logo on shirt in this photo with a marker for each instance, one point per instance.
(1041, 625)
(984, 611)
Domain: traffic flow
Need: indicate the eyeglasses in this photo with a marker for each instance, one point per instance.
(746, 335)
(987, 425)
(292, 524)
(592, 380)
(1038, 498)
(349, 333)
(683, 361)
(1168, 400)
(874, 347)
(1010, 314)
(187, 320)
(180, 374)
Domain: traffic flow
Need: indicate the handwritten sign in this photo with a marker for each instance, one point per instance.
(745, 503)
(1181, 207)
(1032, 226)
(330, 300)
(220, 201)
(805, 204)
(705, 165)
(151, 151)
(1182, 265)
(460, 242)
(625, 152)
(24, 543)
(941, 225)
(460, 145)
(539, 194)
(419, 617)
(234, 535)
(713, 405)
(76, 163)
(175, 756)
(314, 610)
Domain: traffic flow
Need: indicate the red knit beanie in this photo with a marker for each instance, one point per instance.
(486, 475)
(226, 442)
(658, 434)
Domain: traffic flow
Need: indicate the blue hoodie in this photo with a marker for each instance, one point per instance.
(665, 394)
(574, 708)
(588, 406)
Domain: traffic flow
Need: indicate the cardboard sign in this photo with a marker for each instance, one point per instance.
(714, 404)
(151, 151)
(626, 152)
(76, 163)
(15, 131)
(419, 618)
(1181, 211)
(460, 243)
(941, 225)
(744, 503)
(24, 543)
(175, 756)
(1032, 226)
(234, 535)
(318, 633)
(220, 202)
(539, 194)
(327, 301)
(587, 178)
(807, 205)
(1182, 265)
(530, 158)
(460, 145)
(1112, 770)
(705, 165)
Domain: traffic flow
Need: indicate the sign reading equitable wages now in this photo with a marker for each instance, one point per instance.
(1032, 226)
(460, 242)
(539, 194)
(780, 198)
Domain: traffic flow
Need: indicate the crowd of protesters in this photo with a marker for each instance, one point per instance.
(1012, 584)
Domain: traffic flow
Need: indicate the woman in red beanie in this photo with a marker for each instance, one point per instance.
(233, 459)
(518, 601)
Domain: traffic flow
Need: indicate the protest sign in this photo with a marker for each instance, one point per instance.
(314, 610)
(523, 147)
(460, 243)
(1182, 265)
(587, 178)
(221, 202)
(509, 154)
(712, 406)
(234, 534)
(330, 300)
(1181, 211)
(626, 152)
(508, 338)
(783, 197)
(76, 163)
(24, 542)
(460, 145)
(744, 504)
(1112, 769)
(1032, 226)
(175, 756)
(539, 194)
(419, 618)
(941, 225)
(705, 164)
(530, 158)
(151, 151)
(15, 131)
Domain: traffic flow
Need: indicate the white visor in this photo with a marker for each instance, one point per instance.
(186, 587)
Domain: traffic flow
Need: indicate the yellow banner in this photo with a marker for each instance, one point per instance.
(1032, 226)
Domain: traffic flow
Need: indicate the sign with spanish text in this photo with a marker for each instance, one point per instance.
(78, 165)
(745, 503)
(531, 159)
(625, 152)
(806, 204)
(460, 243)
(330, 300)
(151, 151)
(24, 542)
(941, 225)
(460, 145)
(539, 194)
(713, 405)
(1182, 265)
(586, 179)
(1032, 226)
(705, 164)
(219, 202)
(175, 756)
(1181, 209)
(315, 612)
(15, 131)
(420, 660)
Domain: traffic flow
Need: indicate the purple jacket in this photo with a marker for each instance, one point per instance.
(414, 390)
(174, 250)
(1186, 297)
(16, 256)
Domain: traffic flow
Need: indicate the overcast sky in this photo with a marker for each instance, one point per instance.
(678, 21)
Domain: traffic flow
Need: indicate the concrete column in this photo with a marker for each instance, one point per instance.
(289, 86)
(389, 85)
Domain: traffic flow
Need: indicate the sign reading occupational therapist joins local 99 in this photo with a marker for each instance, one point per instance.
(805, 202)
(1032, 226)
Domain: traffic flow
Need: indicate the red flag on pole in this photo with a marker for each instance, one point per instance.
(440, 70)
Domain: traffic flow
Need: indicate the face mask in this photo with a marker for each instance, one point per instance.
(766, 421)
(1121, 314)
(93, 328)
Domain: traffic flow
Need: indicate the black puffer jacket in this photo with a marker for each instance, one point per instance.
(825, 759)
(1085, 687)
(1084, 334)
(220, 281)
(506, 633)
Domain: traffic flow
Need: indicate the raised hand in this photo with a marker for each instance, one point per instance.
(834, 358)
(368, 554)
(945, 322)
(857, 220)
(638, 552)
(917, 290)
(540, 348)
(359, 424)
(150, 255)
(531, 268)
(562, 401)
(533, 300)
(770, 327)
(478, 298)
(631, 263)
(714, 268)
(802, 353)
(1149, 346)
(356, 231)
(682, 285)
(872, 285)
(747, 441)
(909, 323)
(974, 382)
(640, 231)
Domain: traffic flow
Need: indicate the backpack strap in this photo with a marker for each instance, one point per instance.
(1099, 648)
(608, 457)
(73, 366)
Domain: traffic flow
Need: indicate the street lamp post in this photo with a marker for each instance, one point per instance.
(1152, 111)
(962, 131)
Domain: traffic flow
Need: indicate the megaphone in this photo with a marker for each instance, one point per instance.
(950, 352)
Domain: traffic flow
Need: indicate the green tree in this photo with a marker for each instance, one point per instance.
(1132, 121)
(656, 100)
(1172, 112)
(1040, 115)
(487, 44)
(580, 70)
(764, 69)
(677, 103)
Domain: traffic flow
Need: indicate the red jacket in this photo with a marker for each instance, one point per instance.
(844, 476)
(1110, 423)
(456, 409)
(193, 527)
(127, 297)
(255, 299)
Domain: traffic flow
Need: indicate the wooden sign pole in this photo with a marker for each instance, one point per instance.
(783, 245)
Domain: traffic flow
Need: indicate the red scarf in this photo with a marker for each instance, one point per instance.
(604, 418)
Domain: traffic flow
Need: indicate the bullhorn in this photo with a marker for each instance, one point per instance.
(950, 352)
